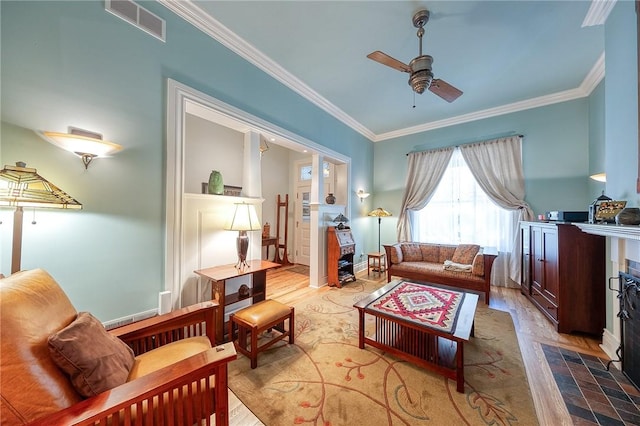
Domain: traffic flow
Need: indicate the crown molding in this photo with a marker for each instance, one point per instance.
(215, 29)
(598, 12)
(586, 87)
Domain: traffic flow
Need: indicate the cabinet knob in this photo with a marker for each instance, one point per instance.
(540, 260)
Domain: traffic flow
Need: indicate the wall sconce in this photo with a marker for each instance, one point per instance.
(600, 177)
(24, 187)
(244, 219)
(362, 195)
(85, 144)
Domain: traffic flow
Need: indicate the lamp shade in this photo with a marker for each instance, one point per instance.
(379, 212)
(85, 144)
(24, 187)
(600, 177)
(244, 218)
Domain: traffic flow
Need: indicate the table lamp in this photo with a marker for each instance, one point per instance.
(340, 220)
(379, 213)
(23, 187)
(244, 219)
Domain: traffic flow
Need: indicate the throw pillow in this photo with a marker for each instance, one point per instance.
(465, 253)
(93, 359)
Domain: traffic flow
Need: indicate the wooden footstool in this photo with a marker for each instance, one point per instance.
(255, 319)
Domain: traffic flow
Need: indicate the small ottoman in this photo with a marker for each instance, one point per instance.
(265, 315)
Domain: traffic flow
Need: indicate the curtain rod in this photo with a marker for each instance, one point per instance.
(467, 143)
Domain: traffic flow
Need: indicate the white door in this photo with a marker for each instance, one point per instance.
(302, 230)
(303, 210)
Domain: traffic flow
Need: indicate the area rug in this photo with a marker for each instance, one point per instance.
(325, 379)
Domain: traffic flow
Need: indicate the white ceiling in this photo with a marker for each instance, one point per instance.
(504, 55)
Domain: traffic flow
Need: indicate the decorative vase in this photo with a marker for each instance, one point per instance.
(215, 183)
(628, 216)
(330, 199)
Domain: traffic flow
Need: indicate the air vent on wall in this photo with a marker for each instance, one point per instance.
(138, 16)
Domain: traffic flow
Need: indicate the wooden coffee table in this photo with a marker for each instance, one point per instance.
(405, 338)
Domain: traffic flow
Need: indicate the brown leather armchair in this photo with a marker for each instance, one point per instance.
(177, 378)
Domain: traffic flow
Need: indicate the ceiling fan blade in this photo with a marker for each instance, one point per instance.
(445, 90)
(387, 60)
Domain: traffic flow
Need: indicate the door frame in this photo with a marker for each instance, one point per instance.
(180, 98)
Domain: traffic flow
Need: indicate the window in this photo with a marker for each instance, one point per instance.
(460, 212)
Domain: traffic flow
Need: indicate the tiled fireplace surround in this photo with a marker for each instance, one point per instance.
(624, 247)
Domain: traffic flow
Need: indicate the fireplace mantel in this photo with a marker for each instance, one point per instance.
(629, 232)
(624, 247)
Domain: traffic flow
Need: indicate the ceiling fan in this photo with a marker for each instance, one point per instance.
(419, 69)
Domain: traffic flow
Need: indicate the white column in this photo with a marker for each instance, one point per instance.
(315, 225)
(252, 186)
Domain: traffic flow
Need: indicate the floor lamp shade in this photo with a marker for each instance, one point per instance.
(243, 219)
(23, 187)
(379, 213)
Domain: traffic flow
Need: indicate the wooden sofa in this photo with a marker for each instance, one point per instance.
(176, 377)
(426, 262)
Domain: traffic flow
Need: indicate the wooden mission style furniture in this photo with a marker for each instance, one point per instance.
(420, 344)
(218, 277)
(172, 353)
(340, 250)
(563, 274)
(425, 262)
(379, 263)
(266, 315)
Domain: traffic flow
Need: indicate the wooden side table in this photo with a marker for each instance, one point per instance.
(269, 241)
(379, 262)
(218, 276)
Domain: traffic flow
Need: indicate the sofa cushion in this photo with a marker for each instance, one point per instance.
(446, 253)
(94, 360)
(411, 252)
(465, 253)
(477, 267)
(395, 254)
(430, 252)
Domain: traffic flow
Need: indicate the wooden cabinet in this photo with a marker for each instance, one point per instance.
(340, 250)
(563, 274)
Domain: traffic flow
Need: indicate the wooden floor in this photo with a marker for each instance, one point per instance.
(531, 326)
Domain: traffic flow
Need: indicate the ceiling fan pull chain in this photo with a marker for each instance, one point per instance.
(414, 98)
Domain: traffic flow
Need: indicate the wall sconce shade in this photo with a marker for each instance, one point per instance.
(362, 195)
(23, 187)
(600, 177)
(87, 145)
(243, 219)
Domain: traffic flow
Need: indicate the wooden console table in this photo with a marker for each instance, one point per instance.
(218, 276)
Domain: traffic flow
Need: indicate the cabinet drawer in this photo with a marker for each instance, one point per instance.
(545, 304)
(347, 250)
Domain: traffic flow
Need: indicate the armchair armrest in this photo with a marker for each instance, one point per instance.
(182, 390)
(195, 320)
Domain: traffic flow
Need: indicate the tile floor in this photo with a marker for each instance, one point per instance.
(593, 395)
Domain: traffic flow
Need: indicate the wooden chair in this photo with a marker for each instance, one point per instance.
(188, 386)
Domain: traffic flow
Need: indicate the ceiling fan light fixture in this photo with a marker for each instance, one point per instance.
(420, 80)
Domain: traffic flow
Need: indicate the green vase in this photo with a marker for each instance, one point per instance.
(215, 183)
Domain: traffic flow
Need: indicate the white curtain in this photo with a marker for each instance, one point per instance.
(497, 167)
(423, 175)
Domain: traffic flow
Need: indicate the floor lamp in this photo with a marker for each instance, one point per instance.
(23, 187)
(379, 213)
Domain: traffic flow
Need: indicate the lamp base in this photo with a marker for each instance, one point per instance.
(242, 246)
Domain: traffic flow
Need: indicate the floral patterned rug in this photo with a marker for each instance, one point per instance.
(325, 379)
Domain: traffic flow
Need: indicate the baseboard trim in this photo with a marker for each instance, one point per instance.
(610, 345)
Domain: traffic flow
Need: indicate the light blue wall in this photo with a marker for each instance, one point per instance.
(555, 156)
(74, 64)
(596, 139)
(621, 104)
